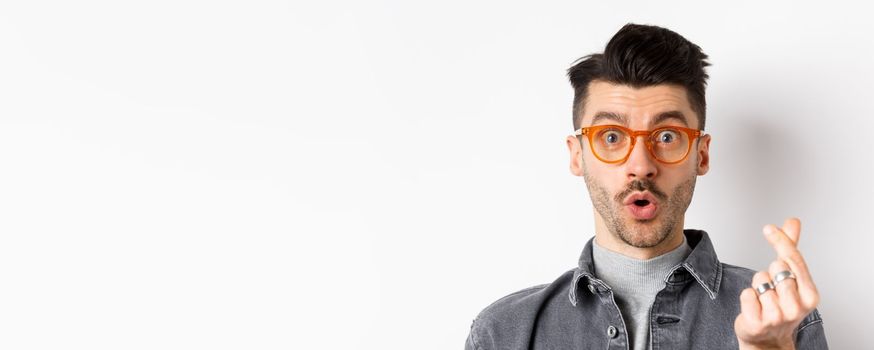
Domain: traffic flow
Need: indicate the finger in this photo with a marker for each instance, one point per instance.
(771, 314)
(750, 309)
(787, 293)
(792, 228)
(785, 248)
(787, 252)
(749, 323)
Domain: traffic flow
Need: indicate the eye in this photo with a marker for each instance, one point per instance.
(667, 136)
(612, 137)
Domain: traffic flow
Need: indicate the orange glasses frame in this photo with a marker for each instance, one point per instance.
(590, 131)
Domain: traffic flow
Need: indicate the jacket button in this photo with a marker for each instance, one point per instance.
(611, 332)
(592, 289)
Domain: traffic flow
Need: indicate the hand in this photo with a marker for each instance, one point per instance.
(768, 321)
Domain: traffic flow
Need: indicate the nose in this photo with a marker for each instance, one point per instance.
(640, 163)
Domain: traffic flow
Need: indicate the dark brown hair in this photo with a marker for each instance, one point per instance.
(641, 56)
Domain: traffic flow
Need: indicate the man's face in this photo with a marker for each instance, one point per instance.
(613, 187)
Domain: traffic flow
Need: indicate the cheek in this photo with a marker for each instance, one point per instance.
(609, 180)
(679, 175)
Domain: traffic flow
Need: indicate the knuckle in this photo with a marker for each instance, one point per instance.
(773, 321)
(779, 318)
(761, 276)
(793, 312)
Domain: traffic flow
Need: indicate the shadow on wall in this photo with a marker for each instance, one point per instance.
(768, 176)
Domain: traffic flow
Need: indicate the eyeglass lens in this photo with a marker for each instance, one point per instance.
(667, 144)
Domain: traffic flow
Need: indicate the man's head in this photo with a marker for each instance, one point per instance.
(647, 78)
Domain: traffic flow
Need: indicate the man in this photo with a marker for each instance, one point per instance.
(643, 282)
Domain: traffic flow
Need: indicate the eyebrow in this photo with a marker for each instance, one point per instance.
(675, 115)
(609, 116)
(621, 119)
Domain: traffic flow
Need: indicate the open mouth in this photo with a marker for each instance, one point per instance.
(642, 206)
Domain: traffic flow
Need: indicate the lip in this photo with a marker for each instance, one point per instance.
(646, 212)
(636, 196)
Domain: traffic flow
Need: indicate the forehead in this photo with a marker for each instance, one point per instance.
(639, 105)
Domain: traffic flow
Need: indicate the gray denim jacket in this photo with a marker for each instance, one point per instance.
(695, 310)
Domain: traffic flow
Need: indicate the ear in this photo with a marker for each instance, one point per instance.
(703, 154)
(576, 154)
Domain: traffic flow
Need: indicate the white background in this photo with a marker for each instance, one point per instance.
(370, 175)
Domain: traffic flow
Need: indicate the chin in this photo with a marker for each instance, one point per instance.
(643, 241)
(645, 234)
(647, 242)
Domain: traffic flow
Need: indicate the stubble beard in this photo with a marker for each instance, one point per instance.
(643, 233)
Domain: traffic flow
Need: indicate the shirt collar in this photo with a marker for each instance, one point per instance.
(702, 264)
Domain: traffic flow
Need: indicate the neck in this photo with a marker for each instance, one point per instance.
(610, 241)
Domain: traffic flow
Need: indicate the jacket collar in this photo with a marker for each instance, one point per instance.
(702, 264)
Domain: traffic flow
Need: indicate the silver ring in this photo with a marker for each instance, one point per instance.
(764, 287)
(782, 276)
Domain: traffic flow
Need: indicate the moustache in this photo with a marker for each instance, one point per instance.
(640, 186)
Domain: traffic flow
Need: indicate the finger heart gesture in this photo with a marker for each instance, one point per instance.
(779, 298)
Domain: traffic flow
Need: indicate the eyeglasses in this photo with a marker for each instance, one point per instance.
(613, 143)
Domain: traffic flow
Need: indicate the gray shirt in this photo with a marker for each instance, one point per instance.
(695, 310)
(635, 284)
